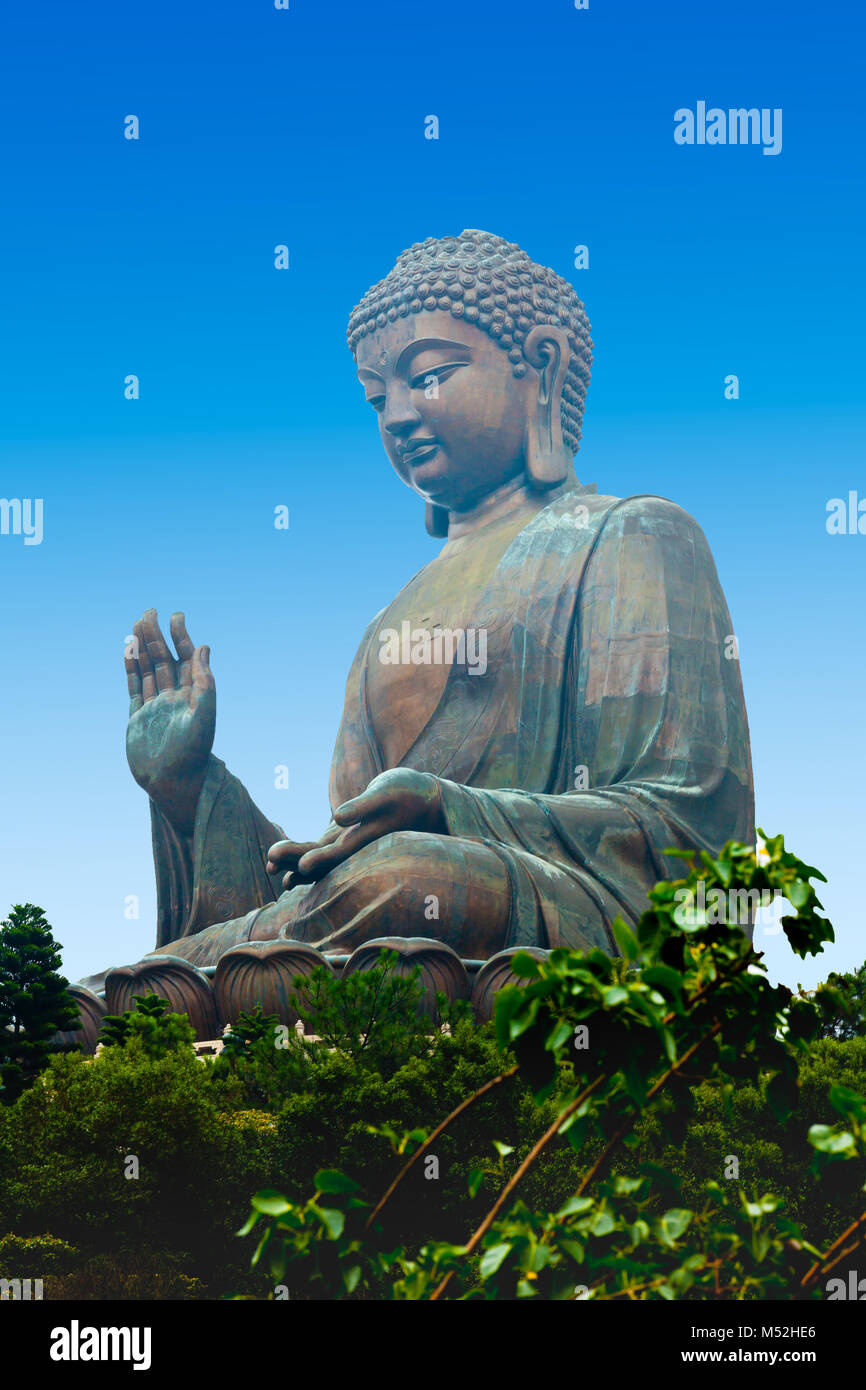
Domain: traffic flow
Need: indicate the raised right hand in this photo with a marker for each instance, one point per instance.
(172, 717)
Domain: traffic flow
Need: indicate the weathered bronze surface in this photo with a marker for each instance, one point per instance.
(440, 970)
(517, 788)
(263, 972)
(91, 1011)
(187, 989)
(496, 974)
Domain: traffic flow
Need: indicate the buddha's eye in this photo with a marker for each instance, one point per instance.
(377, 402)
(421, 380)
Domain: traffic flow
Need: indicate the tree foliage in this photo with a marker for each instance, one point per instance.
(689, 1005)
(158, 1030)
(849, 1019)
(34, 998)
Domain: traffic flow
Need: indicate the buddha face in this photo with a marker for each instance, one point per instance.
(452, 416)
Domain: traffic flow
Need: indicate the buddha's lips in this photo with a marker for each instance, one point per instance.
(421, 450)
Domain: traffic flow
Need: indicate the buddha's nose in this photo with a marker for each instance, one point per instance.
(400, 415)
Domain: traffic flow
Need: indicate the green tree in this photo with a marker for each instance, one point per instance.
(849, 1020)
(372, 1015)
(65, 1167)
(692, 1007)
(248, 1031)
(160, 1030)
(34, 998)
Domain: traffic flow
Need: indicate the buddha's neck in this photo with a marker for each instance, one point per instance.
(502, 502)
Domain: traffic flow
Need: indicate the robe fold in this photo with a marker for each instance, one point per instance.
(609, 724)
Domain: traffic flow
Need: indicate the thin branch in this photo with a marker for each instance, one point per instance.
(623, 1129)
(821, 1266)
(527, 1163)
(464, 1105)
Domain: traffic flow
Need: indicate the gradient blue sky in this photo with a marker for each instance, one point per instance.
(306, 127)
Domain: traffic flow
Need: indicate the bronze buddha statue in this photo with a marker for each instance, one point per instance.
(542, 709)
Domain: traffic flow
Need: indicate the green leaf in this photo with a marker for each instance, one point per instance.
(625, 939)
(271, 1202)
(333, 1219)
(635, 1084)
(351, 1278)
(623, 1185)
(576, 1129)
(509, 1001)
(249, 1223)
(665, 978)
(330, 1180)
(602, 1223)
(492, 1259)
(574, 1205)
(503, 1149)
(476, 1178)
(259, 1250)
(562, 1034)
(848, 1102)
(522, 1020)
(798, 893)
(574, 1249)
(669, 1045)
(615, 995)
(524, 965)
(673, 1224)
(828, 1141)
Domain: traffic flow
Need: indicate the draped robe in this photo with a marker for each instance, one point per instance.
(609, 725)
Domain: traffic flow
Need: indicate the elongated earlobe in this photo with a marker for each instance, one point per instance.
(436, 520)
(548, 457)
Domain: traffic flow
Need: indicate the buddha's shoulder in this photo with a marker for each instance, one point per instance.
(643, 513)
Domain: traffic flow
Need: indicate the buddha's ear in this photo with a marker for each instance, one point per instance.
(548, 457)
(436, 520)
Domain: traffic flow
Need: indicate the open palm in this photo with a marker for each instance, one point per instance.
(172, 716)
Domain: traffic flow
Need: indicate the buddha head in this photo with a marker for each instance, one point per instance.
(476, 361)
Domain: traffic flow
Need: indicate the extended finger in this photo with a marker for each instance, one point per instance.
(133, 676)
(157, 649)
(183, 646)
(148, 683)
(202, 676)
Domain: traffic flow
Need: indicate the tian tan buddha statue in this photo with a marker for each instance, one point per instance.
(541, 710)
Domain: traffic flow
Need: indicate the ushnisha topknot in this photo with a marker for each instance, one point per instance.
(492, 283)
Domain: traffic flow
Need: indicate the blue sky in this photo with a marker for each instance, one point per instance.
(306, 127)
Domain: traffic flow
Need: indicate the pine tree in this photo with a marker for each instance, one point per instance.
(849, 1021)
(34, 1003)
(160, 1029)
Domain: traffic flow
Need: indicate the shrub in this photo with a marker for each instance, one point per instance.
(65, 1149)
(159, 1031)
(689, 1006)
